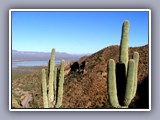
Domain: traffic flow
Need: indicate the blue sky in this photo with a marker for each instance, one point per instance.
(75, 32)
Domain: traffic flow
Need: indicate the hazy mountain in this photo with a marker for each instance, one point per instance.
(42, 56)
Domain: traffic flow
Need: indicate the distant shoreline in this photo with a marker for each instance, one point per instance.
(16, 64)
(29, 61)
(38, 60)
(28, 67)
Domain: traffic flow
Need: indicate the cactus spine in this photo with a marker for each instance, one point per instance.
(131, 70)
(52, 100)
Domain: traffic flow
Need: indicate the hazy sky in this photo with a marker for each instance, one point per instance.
(75, 32)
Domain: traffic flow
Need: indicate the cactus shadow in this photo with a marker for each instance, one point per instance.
(143, 93)
(57, 83)
(121, 82)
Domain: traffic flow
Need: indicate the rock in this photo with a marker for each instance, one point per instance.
(25, 101)
(104, 74)
(66, 71)
(88, 104)
(75, 67)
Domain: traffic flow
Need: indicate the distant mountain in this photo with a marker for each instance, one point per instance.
(43, 56)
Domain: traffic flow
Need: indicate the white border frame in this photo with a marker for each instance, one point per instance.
(81, 10)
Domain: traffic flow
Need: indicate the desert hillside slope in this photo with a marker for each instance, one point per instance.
(87, 87)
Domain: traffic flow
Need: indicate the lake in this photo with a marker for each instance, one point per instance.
(32, 63)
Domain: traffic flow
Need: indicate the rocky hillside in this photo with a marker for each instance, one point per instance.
(85, 83)
(87, 87)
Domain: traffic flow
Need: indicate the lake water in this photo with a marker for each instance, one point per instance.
(32, 63)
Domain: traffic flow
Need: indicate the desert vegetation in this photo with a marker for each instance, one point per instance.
(55, 86)
(93, 81)
(120, 95)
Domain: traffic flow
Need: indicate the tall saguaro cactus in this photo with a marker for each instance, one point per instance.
(55, 93)
(130, 76)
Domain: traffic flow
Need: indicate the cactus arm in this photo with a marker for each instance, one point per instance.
(136, 58)
(44, 89)
(55, 83)
(60, 85)
(130, 82)
(112, 88)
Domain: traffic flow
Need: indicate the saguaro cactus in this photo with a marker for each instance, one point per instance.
(131, 69)
(55, 94)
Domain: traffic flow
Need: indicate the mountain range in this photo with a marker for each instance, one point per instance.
(43, 56)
